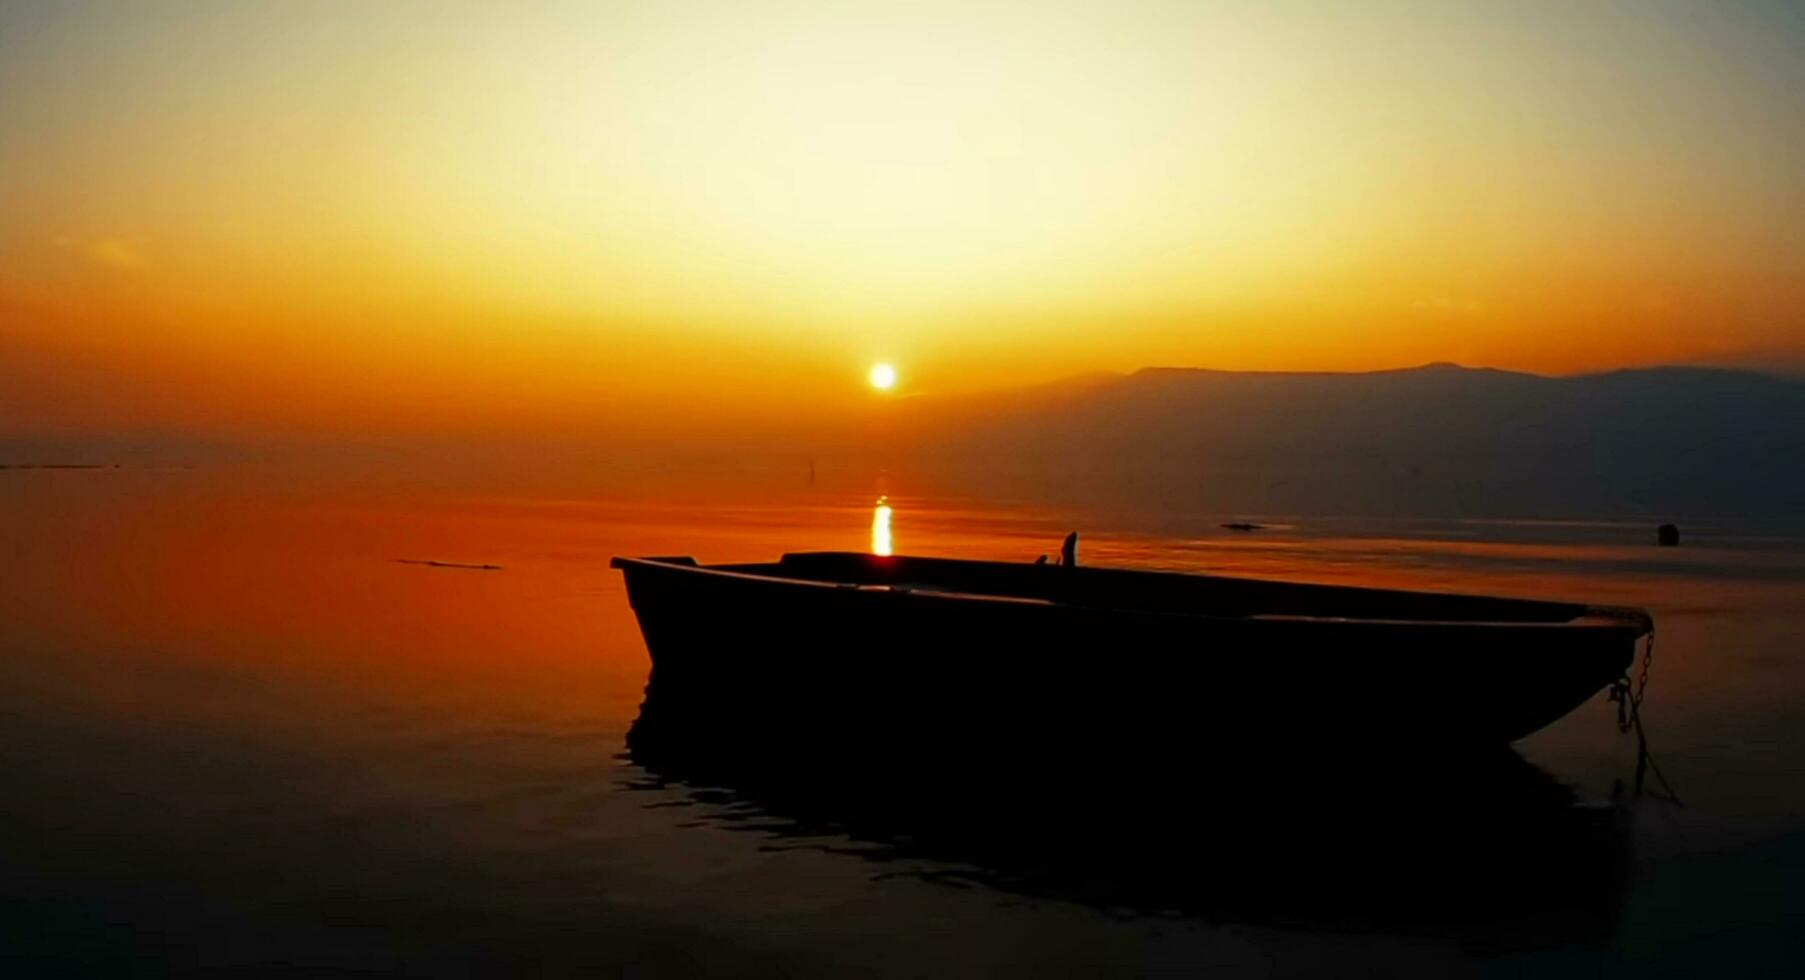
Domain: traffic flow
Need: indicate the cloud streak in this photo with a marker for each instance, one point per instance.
(108, 253)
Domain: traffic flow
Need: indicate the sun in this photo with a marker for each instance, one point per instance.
(882, 377)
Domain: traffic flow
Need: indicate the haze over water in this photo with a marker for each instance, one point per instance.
(239, 733)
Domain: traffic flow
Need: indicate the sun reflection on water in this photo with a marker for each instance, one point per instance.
(880, 527)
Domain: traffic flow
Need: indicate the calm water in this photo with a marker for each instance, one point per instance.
(237, 732)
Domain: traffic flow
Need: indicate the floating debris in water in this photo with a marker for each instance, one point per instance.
(430, 563)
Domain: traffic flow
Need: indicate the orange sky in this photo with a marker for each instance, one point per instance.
(318, 218)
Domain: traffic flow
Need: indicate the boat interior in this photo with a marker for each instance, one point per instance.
(1152, 591)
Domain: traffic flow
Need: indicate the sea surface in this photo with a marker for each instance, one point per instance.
(256, 722)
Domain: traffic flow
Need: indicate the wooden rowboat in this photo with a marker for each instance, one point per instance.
(880, 653)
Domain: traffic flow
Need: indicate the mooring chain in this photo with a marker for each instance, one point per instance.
(1628, 700)
(1620, 689)
(1629, 718)
(1648, 659)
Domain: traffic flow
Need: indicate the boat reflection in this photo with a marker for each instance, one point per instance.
(1488, 851)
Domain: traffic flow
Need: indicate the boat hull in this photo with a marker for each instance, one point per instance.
(865, 668)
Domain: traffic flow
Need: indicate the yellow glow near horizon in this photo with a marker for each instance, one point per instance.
(267, 216)
(882, 376)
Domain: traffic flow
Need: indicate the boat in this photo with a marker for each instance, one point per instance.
(869, 655)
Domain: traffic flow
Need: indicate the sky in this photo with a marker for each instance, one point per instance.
(318, 218)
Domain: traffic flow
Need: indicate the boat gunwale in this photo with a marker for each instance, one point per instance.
(1590, 617)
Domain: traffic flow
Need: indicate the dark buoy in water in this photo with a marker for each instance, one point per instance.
(1668, 535)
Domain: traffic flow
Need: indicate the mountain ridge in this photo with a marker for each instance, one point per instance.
(1435, 438)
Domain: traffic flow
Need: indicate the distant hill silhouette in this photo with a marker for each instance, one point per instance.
(1434, 440)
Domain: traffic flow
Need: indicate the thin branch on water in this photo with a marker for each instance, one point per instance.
(430, 563)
